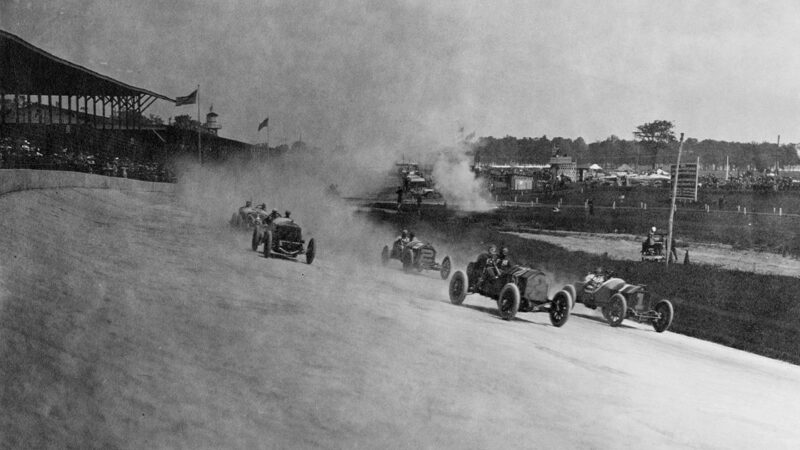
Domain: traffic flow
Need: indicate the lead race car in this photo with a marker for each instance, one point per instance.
(516, 289)
(619, 300)
(282, 237)
(248, 215)
(416, 255)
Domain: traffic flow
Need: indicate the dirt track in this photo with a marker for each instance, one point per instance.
(127, 323)
(625, 246)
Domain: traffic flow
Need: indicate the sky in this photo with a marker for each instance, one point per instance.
(416, 74)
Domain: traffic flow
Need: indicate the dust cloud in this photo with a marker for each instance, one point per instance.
(297, 183)
(455, 180)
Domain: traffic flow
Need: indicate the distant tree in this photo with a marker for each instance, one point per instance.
(655, 136)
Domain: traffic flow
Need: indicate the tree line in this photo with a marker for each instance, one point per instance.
(653, 145)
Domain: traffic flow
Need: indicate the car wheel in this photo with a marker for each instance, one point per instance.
(445, 270)
(310, 252)
(408, 260)
(508, 301)
(665, 315)
(559, 309)
(256, 239)
(385, 255)
(458, 287)
(616, 309)
(268, 244)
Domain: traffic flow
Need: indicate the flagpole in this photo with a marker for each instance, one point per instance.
(199, 125)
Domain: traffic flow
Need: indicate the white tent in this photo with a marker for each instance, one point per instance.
(595, 167)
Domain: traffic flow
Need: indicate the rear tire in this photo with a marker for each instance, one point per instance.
(458, 287)
(445, 270)
(508, 301)
(385, 255)
(616, 310)
(667, 312)
(310, 252)
(268, 244)
(559, 309)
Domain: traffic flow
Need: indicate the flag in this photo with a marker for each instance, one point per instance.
(263, 124)
(190, 99)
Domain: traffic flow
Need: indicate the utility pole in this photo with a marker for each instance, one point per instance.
(672, 206)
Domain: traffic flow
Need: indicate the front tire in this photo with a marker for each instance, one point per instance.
(256, 239)
(508, 301)
(310, 252)
(666, 312)
(445, 270)
(615, 310)
(559, 309)
(268, 244)
(408, 261)
(458, 287)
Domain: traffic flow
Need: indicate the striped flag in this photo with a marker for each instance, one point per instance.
(263, 124)
(190, 99)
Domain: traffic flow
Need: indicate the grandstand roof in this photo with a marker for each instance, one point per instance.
(26, 69)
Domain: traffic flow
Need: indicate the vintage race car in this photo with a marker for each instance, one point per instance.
(516, 289)
(248, 216)
(654, 250)
(282, 237)
(416, 255)
(619, 300)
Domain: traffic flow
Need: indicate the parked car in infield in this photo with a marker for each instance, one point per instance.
(619, 300)
(516, 289)
(416, 255)
(653, 248)
(282, 237)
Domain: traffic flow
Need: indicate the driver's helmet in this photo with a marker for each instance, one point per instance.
(288, 213)
(492, 250)
(411, 236)
(404, 234)
(248, 203)
(598, 270)
(652, 230)
(504, 252)
(262, 206)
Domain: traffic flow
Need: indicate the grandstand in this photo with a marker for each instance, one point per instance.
(55, 114)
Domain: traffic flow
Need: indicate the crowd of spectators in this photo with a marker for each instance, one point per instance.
(750, 180)
(20, 153)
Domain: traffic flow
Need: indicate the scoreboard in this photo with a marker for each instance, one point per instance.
(688, 175)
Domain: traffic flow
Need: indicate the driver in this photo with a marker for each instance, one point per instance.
(503, 262)
(594, 279)
(402, 240)
(487, 264)
(649, 241)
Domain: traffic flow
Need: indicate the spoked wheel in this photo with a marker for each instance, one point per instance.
(256, 239)
(385, 255)
(458, 287)
(559, 309)
(445, 270)
(508, 302)
(615, 310)
(665, 315)
(268, 244)
(408, 260)
(310, 252)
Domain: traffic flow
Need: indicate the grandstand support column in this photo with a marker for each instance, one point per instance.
(50, 109)
(2, 107)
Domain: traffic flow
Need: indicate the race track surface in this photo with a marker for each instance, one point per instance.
(127, 321)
